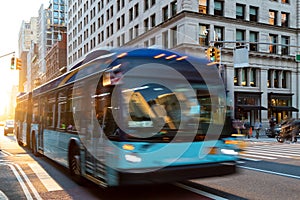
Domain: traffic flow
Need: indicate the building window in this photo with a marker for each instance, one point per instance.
(244, 76)
(203, 35)
(152, 3)
(152, 18)
(136, 28)
(284, 19)
(285, 41)
(165, 13)
(273, 46)
(253, 14)
(146, 5)
(269, 79)
(173, 37)
(284, 79)
(218, 36)
(165, 39)
(131, 34)
(236, 77)
(254, 39)
(240, 36)
(152, 41)
(136, 10)
(130, 14)
(272, 17)
(146, 24)
(173, 8)
(203, 6)
(218, 8)
(253, 72)
(240, 11)
(276, 78)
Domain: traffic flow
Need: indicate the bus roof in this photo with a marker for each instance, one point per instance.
(90, 65)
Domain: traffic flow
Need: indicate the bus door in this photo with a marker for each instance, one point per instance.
(90, 133)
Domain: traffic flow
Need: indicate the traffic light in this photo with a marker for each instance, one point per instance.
(217, 54)
(12, 63)
(213, 54)
(18, 64)
(210, 53)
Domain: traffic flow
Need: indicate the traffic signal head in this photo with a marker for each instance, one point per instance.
(210, 53)
(213, 54)
(12, 63)
(217, 55)
(18, 64)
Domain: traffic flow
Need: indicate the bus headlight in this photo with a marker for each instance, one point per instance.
(133, 158)
(229, 152)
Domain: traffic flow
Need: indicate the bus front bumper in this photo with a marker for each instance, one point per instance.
(175, 173)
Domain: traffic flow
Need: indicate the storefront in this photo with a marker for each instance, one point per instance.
(280, 106)
(248, 106)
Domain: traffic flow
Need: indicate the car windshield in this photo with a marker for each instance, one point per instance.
(9, 122)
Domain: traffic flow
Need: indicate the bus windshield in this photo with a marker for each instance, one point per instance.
(157, 113)
(154, 111)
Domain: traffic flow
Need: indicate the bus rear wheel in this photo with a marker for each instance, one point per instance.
(34, 146)
(75, 164)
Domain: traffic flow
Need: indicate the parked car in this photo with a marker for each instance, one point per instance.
(286, 130)
(9, 126)
(276, 132)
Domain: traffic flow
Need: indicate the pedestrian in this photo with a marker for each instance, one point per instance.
(257, 127)
(247, 128)
(272, 123)
(294, 132)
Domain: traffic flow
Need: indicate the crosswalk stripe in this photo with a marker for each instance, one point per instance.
(269, 154)
(272, 151)
(257, 156)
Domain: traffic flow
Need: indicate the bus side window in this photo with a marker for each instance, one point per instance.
(51, 111)
(104, 112)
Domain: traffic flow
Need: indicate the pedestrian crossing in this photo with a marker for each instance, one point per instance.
(271, 151)
(4, 153)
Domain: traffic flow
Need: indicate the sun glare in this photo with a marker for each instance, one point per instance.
(8, 79)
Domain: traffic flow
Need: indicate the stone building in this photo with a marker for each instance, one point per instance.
(266, 85)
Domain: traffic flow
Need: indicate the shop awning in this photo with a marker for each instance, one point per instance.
(285, 108)
(252, 107)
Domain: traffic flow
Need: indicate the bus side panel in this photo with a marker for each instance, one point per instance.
(56, 145)
(23, 133)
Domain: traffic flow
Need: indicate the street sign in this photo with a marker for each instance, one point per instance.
(297, 57)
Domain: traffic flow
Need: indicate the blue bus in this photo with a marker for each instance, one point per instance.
(132, 116)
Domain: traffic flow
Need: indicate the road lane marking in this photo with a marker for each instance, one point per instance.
(36, 194)
(49, 183)
(197, 191)
(270, 172)
(3, 196)
(22, 183)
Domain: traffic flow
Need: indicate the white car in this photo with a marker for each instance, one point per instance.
(9, 126)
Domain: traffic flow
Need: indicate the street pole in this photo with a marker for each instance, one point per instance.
(7, 54)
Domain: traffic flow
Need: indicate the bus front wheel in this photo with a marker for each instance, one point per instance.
(75, 164)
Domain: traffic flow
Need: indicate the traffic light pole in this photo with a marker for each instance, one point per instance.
(7, 54)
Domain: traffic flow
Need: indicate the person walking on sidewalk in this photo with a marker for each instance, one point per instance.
(272, 124)
(247, 128)
(257, 127)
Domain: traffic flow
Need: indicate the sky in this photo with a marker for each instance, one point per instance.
(12, 13)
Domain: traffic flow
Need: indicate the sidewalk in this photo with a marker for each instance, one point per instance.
(8, 143)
